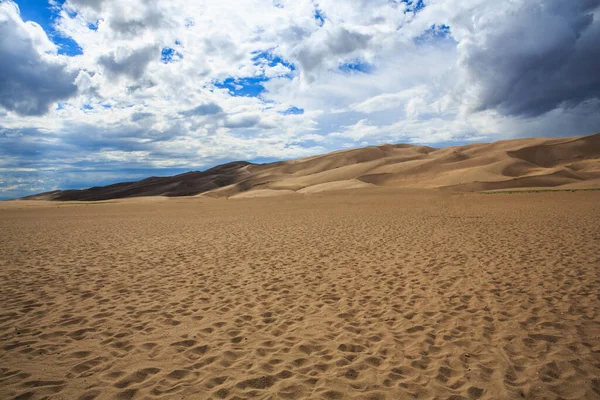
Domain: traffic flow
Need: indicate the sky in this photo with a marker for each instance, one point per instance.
(94, 92)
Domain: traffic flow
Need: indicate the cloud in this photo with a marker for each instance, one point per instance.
(32, 76)
(147, 15)
(528, 58)
(329, 47)
(128, 62)
(202, 110)
(242, 121)
(94, 4)
(138, 116)
(255, 79)
(388, 101)
(432, 131)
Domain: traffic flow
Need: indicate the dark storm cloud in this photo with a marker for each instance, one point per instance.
(129, 63)
(545, 56)
(29, 84)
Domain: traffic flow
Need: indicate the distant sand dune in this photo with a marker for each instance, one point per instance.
(506, 164)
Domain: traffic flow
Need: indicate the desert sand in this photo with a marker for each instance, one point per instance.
(363, 293)
(572, 162)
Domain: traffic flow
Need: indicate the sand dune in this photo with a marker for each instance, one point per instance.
(369, 293)
(335, 185)
(502, 165)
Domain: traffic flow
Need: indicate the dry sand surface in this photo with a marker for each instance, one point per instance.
(360, 294)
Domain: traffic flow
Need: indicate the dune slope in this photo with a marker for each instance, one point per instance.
(506, 164)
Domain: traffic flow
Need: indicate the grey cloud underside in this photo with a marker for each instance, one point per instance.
(94, 4)
(202, 110)
(338, 42)
(140, 85)
(545, 56)
(344, 41)
(29, 84)
(214, 110)
(128, 26)
(140, 116)
(293, 33)
(247, 121)
(133, 64)
(31, 148)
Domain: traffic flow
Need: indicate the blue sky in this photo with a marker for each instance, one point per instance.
(45, 14)
(100, 91)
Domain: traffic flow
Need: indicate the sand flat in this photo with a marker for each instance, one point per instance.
(357, 294)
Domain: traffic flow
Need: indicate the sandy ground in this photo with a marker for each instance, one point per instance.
(370, 294)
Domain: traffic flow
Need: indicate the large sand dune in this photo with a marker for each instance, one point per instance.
(368, 293)
(501, 165)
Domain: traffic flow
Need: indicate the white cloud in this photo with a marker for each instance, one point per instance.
(388, 101)
(32, 75)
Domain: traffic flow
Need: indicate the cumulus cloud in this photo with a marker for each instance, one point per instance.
(388, 101)
(242, 121)
(128, 62)
(32, 77)
(203, 109)
(138, 116)
(94, 4)
(329, 47)
(147, 15)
